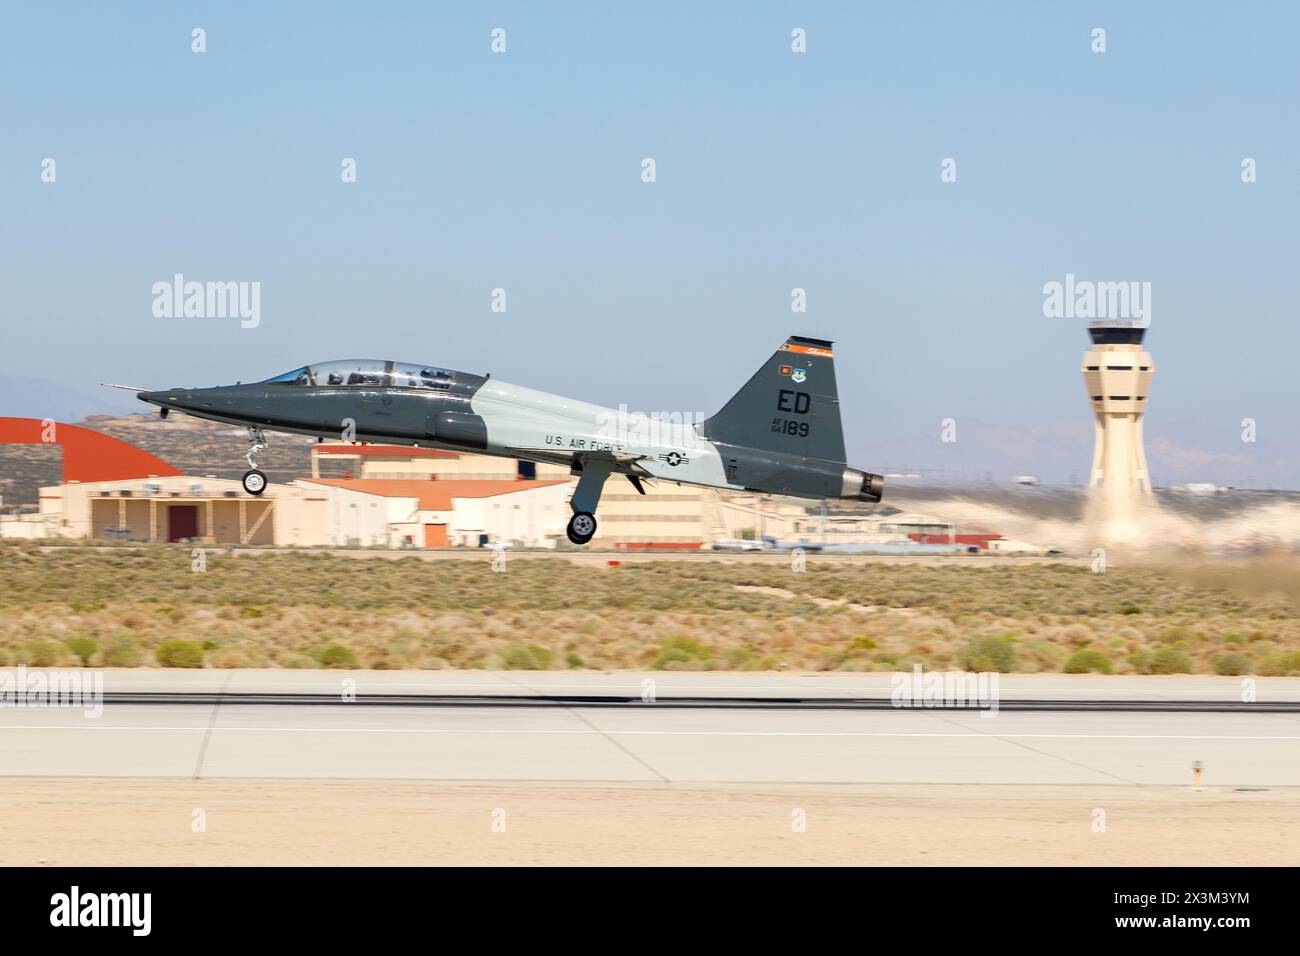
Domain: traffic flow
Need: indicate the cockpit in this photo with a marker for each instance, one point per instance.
(372, 373)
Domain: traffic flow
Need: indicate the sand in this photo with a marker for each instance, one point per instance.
(79, 821)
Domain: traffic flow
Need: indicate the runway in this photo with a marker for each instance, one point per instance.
(507, 731)
(677, 702)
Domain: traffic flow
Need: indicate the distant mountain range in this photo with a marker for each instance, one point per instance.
(41, 398)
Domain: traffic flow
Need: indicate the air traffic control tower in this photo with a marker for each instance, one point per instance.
(1117, 372)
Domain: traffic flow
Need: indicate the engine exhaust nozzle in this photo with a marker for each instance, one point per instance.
(862, 485)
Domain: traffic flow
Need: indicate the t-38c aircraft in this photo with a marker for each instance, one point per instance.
(780, 434)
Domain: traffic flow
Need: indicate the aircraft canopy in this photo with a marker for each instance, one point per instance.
(375, 373)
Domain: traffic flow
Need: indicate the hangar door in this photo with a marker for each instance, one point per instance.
(182, 522)
(435, 536)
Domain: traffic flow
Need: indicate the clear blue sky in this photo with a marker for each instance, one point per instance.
(775, 170)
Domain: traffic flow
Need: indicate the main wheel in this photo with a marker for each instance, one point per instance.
(582, 526)
(254, 482)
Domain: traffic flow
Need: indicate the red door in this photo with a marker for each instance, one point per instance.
(182, 522)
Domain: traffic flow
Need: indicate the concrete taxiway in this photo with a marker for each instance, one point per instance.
(209, 732)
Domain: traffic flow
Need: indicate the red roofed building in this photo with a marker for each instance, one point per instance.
(88, 455)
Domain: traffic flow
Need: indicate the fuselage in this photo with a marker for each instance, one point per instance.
(460, 412)
(779, 434)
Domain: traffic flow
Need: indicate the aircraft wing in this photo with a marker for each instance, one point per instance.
(622, 460)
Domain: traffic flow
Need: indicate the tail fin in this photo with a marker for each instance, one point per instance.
(790, 405)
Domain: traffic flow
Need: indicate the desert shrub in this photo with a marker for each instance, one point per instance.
(1232, 665)
(1140, 661)
(1088, 661)
(678, 653)
(295, 661)
(231, 657)
(83, 647)
(1079, 635)
(543, 656)
(989, 654)
(1173, 635)
(575, 662)
(179, 653)
(122, 650)
(175, 615)
(336, 655)
(1171, 660)
(39, 653)
(1286, 664)
(1047, 655)
(526, 657)
(743, 659)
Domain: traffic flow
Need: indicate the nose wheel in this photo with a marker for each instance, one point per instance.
(582, 527)
(254, 481)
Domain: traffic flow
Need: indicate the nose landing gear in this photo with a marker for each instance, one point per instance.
(254, 481)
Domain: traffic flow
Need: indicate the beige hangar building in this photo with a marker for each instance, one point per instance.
(397, 497)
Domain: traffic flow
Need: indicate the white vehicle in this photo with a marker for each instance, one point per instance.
(737, 544)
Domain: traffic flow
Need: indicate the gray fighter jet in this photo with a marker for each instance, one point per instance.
(780, 434)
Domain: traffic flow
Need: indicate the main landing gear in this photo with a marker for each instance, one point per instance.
(582, 527)
(255, 481)
(591, 473)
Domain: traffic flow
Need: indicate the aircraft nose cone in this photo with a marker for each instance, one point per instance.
(168, 397)
(180, 399)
